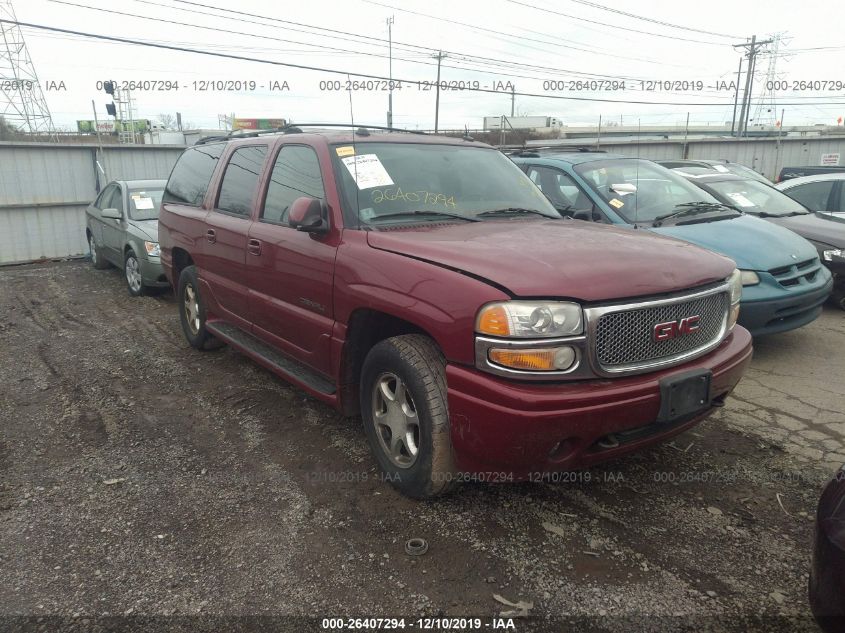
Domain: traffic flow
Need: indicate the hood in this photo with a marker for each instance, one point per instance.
(818, 228)
(559, 258)
(146, 229)
(752, 243)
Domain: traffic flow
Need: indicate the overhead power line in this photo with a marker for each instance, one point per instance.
(652, 20)
(337, 71)
(614, 26)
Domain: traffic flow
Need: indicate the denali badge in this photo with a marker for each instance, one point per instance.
(674, 329)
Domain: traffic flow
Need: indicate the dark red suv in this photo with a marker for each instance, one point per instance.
(427, 284)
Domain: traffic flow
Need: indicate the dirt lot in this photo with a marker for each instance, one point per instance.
(139, 477)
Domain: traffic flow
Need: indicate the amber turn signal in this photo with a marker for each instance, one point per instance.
(546, 359)
(493, 320)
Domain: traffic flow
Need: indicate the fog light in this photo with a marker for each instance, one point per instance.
(543, 359)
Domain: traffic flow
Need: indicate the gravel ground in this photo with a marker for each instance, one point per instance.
(141, 478)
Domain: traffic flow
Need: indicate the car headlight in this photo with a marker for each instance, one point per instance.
(735, 291)
(749, 277)
(153, 249)
(834, 252)
(530, 319)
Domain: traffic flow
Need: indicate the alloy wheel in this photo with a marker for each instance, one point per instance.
(192, 309)
(395, 418)
(133, 274)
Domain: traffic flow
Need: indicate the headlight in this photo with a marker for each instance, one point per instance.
(530, 319)
(153, 249)
(829, 255)
(735, 291)
(749, 277)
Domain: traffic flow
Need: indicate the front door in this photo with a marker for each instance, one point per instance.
(227, 229)
(291, 272)
(113, 230)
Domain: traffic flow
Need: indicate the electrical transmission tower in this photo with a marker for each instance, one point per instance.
(22, 102)
(766, 112)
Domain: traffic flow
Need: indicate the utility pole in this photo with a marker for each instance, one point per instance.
(390, 72)
(736, 95)
(753, 47)
(513, 98)
(439, 57)
(686, 133)
(598, 137)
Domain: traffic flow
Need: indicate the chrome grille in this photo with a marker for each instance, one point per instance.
(625, 339)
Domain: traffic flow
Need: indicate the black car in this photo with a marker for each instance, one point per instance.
(720, 166)
(827, 575)
(808, 170)
(826, 231)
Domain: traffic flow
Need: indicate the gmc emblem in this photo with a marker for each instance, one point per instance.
(674, 329)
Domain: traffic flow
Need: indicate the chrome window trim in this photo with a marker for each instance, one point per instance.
(592, 315)
(580, 368)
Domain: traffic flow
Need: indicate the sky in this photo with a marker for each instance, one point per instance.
(602, 56)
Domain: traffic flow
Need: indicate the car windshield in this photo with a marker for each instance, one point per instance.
(144, 203)
(745, 172)
(402, 183)
(640, 190)
(753, 196)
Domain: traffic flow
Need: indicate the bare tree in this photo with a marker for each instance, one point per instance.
(168, 121)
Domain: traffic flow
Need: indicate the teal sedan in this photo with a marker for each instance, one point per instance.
(784, 283)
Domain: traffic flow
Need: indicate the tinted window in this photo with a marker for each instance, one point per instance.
(295, 174)
(240, 182)
(561, 189)
(190, 177)
(813, 195)
(103, 196)
(144, 203)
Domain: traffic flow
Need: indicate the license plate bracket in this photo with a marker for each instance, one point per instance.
(684, 393)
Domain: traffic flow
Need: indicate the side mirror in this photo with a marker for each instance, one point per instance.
(114, 214)
(309, 215)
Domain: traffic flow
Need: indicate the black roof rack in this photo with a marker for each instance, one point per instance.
(296, 128)
(534, 152)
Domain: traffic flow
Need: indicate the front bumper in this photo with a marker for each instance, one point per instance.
(786, 311)
(517, 428)
(827, 575)
(152, 272)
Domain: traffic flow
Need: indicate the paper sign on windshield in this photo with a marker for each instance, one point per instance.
(367, 171)
(741, 200)
(142, 203)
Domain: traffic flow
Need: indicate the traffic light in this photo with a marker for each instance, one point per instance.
(111, 109)
(108, 86)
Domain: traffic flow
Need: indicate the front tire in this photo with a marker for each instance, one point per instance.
(132, 273)
(406, 417)
(192, 311)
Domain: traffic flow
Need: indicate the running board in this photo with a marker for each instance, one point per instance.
(269, 357)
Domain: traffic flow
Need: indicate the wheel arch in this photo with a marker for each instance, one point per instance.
(365, 328)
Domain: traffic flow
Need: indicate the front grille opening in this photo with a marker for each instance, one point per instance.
(627, 338)
(777, 272)
(805, 264)
(790, 282)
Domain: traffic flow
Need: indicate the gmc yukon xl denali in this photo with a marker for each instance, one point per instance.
(426, 284)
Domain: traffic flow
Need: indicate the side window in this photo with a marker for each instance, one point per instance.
(104, 197)
(189, 179)
(813, 195)
(115, 200)
(559, 186)
(240, 182)
(295, 174)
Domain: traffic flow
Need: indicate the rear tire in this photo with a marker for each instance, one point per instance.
(406, 417)
(97, 260)
(192, 311)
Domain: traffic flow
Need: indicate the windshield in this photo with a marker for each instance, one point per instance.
(144, 203)
(745, 172)
(403, 183)
(640, 190)
(753, 196)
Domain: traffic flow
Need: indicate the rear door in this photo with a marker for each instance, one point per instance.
(227, 230)
(291, 272)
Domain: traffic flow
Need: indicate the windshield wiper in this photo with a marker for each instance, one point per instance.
(514, 211)
(691, 208)
(440, 214)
